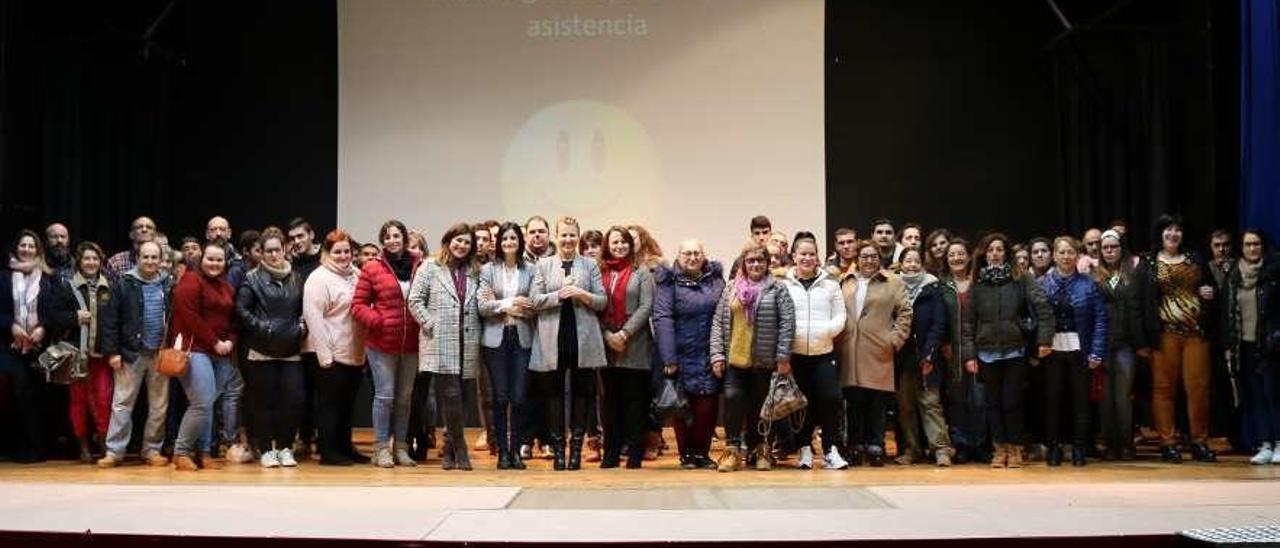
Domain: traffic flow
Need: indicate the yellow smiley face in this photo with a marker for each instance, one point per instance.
(582, 158)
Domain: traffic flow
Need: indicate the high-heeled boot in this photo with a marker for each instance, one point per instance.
(557, 451)
(575, 450)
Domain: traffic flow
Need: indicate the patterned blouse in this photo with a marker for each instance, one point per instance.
(1180, 306)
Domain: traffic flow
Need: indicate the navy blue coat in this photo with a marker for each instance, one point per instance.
(1090, 309)
(682, 312)
(928, 327)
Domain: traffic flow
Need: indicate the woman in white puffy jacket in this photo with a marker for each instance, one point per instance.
(820, 317)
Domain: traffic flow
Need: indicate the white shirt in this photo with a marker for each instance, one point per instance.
(859, 295)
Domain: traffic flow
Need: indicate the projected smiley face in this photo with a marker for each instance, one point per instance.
(582, 158)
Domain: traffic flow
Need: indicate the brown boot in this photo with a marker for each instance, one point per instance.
(184, 463)
(207, 462)
(1000, 456)
(1015, 456)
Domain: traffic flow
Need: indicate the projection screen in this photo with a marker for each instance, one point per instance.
(688, 117)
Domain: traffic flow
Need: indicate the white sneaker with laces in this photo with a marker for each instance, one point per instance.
(270, 459)
(286, 458)
(806, 458)
(1265, 455)
(833, 460)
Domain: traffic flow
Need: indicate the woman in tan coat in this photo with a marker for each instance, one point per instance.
(878, 324)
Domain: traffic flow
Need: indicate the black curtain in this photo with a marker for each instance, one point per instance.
(1135, 92)
(177, 110)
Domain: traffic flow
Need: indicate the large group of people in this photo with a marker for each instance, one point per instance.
(998, 353)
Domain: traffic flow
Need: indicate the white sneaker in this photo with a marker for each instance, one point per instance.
(1275, 455)
(239, 454)
(806, 458)
(1265, 455)
(286, 458)
(834, 461)
(270, 459)
(526, 452)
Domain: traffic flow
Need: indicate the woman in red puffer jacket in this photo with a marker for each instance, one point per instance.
(391, 341)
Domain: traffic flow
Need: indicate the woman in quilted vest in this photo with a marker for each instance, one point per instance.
(444, 302)
(380, 305)
(751, 337)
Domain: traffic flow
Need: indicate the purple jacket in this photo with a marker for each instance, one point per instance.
(682, 312)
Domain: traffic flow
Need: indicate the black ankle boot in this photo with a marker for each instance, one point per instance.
(557, 451)
(575, 451)
(504, 459)
(461, 456)
(635, 457)
(1078, 454)
(1053, 455)
(1201, 453)
(447, 461)
(1170, 454)
(513, 456)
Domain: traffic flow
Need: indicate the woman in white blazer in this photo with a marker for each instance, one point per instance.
(508, 338)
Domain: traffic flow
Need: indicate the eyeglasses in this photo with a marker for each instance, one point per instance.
(756, 260)
(690, 253)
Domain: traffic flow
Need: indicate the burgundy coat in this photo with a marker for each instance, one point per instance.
(380, 306)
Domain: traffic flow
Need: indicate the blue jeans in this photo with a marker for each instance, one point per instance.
(230, 386)
(1117, 407)
(393, 376)
(508, 367)
(129, 379)
(200, 383)
(1262, 405)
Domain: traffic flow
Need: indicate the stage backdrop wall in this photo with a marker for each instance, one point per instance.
(688, 117)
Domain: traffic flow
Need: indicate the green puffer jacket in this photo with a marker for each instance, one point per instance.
(997, 312)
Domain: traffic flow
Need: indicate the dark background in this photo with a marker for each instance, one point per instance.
(971, 115)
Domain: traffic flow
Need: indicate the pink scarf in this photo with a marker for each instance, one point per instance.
(747, 292)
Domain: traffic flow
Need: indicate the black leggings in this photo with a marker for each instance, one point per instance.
(626, 410)
(276, 389)
(336, 388)
(816, 377)
(1004, 381)
(550, 387)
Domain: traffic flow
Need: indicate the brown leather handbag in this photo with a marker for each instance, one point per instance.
(172, 362)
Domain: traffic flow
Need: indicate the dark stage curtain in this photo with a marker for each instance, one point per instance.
(1260, 116)
(1136, 123)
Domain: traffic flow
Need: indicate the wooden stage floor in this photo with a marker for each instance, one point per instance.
(660, 502)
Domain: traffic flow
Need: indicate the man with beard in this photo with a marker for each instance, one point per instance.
(883, 234)
(57, 244)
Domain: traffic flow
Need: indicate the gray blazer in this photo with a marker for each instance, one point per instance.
(435, 303)
(639, 351)
(548, 278)
(494, 310)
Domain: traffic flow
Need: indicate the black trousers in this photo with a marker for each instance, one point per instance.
(448, 388)
(276, 388)
(26, 402)
(550, 388)
(867, 417)
(1005, 382)
(816, 377)
(625, 414)
(1066, 394)
(336, 389)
